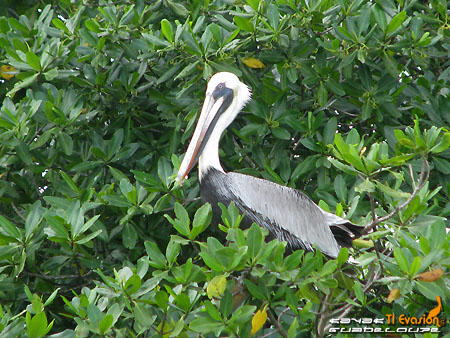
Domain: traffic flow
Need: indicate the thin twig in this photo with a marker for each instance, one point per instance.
(277, 325)
(48, 277)
(246, 158)
(372, 207)
(412, 176)
(343, 311)
(324, 311)
(423, 178)
(18, 212)
(269, 334)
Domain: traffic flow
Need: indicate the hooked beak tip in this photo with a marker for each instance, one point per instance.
(180, 179)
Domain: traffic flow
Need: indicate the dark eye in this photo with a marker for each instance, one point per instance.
(220, 86)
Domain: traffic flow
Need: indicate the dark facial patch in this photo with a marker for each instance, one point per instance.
(219, 92)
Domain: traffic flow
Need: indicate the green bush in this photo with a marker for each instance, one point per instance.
(351, 104)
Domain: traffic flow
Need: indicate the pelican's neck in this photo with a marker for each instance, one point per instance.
(210, 155)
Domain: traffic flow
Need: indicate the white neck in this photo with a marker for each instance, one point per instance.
(210, 154)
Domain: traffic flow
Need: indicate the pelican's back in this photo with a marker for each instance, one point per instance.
(287, 213)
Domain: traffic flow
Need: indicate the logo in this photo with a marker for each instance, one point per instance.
(403, 323)
(431, 319)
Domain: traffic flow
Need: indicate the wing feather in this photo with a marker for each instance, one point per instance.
(274, 205)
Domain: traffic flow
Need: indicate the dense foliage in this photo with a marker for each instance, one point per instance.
(351, 103)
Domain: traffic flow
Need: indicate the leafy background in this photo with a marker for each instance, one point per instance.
(99, 98)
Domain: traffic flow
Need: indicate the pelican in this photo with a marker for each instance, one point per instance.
(287, 213)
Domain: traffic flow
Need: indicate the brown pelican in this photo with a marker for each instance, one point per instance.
(287, 213)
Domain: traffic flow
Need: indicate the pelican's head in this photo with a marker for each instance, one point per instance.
(228, 86)
(225, 97)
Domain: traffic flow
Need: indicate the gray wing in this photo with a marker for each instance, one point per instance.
(285, 211)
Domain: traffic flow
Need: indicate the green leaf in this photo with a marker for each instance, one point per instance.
(366, 110)
(392, 192)
(167, 30)
(273, 15)
(51, 297)
(216, 286)
(182, 215)
(133, 284)
(24, 153)
(341, 188)
(292, 332)
(335, 87)
(33, 219)
(226, 304)
(359, 293)
(89, 224)
(203, 325)
(189, 69)
(212, 311)
(155, 40)
(380, 16)
(51, 74)
(93, 26)
(254, 289)
(69, 182)
(157, 259)
(415, 266)
(401, 260)
(328, 268)
(178, 8)
(253, 4)
(162, 299)
(57, 225)
(293, 260)
(10, 228)
(322, 95)
(172, 251)
(390, 64)
(344, 167)
(340, 144)
(105, 324)
(255, 240)
(164, 170)
(442, 165)
(244, 24)
(281, 133)
(202, 219)
(395, 23)
(89, 237)
(128, 16)
(243, 314)
(429, 290)
(66, 143)
(443, 144)
(37, 326)
(211, 261)
(33, 61)
(330, 130)
(128, 190)
(343, 256)
(363, 20)
(304, 167)
(365, 186)
(75, 217)
(129, 236)
(60, 25)
(181, 223)
(291, 299)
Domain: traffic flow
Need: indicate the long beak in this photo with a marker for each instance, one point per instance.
(208, 118)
